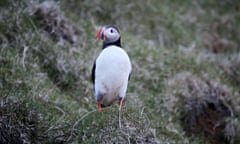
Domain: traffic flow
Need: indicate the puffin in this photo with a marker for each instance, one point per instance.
(111, 70)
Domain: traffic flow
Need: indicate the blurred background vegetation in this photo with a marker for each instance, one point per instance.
(184, 87)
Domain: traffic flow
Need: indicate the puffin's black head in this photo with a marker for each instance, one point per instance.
(110, 35)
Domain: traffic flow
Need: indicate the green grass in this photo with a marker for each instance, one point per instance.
(46, 61)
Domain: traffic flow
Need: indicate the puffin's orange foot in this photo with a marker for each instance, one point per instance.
(120, 103)
(99, 106)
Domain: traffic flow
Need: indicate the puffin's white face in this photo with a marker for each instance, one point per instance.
(111, 34)
(108, 34)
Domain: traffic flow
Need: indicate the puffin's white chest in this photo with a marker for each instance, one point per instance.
(112, 71)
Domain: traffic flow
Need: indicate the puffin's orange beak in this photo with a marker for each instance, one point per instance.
(98, 34)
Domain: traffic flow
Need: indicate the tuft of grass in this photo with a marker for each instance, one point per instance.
(18, 124)
(204, 107)
(231, 130)
(231, 69)
(22, 122)
(50, 18)
(113, 126)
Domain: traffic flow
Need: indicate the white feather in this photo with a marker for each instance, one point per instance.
(113, 68)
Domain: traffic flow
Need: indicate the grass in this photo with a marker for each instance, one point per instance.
(181, 52)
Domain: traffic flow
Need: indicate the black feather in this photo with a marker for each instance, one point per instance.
(116, 43)
(93, 72)
(129, 77)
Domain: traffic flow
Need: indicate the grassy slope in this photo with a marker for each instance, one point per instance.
(51, 79)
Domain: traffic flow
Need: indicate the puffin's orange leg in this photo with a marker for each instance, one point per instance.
(120, 102)
(99, 106)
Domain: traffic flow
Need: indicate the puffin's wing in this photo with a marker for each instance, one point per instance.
(93, 72)
(129, 76)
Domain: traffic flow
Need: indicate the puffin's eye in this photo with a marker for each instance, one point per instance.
(111, 30)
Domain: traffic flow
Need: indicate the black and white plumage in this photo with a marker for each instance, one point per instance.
(112, 68)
